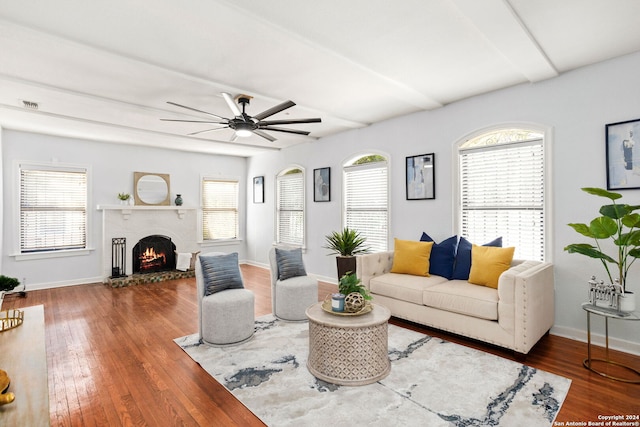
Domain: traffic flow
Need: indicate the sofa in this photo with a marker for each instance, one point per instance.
(514, 315)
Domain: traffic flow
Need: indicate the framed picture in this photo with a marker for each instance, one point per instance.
(421, 177)
(322, 185)
(258, 189)
(623, 158)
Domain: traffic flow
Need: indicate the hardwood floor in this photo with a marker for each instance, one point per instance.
(112, 360)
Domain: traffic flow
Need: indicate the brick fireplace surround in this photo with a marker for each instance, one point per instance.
(135, 222)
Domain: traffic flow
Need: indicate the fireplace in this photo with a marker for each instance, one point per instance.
(154, 253)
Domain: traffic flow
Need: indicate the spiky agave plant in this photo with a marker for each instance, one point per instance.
(347, 242)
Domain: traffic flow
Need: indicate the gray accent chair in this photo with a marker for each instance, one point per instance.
(290, 298)
(226, 317)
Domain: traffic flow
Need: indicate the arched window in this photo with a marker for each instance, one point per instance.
(290, 204)
(502, 192)
(366, 199)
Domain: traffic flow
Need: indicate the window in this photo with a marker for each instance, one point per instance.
(219, 209)
(502, 190)
(53, 208)
(366, 200)
(290, 207)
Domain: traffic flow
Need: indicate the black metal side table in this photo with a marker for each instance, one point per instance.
(607, 314)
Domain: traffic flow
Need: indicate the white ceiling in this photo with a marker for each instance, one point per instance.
(104, 69)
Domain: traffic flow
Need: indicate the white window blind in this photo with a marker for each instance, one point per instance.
(53, 209)
(502, 194)
(367, 203)
(219, 209)
(290, 209)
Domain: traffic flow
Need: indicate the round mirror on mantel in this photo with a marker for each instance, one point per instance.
(151, 189)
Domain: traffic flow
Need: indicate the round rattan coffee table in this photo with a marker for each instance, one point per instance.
(348, 350)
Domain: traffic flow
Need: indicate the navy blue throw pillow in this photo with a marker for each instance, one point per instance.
(221, 272)
(289, 263)
(463, 257)
(443, 255)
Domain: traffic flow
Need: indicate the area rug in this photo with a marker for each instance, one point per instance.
(432, 383)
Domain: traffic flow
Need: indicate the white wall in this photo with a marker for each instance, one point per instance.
(111, 171)
(575, 106)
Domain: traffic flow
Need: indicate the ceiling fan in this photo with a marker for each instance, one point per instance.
(245, 125)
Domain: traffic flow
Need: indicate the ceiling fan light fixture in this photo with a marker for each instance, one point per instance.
(244, 129)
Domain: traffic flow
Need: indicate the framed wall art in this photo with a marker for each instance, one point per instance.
(623, 157)
(421, 177)
(258, 189)
(322, 185)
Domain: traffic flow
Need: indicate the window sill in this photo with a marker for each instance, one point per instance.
(221, 242)
(52, 254)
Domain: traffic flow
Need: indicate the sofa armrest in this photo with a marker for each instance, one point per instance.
(526, 302)
(371, 265)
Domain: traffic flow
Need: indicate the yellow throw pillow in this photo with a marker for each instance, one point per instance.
(411, 257)
(488, 263)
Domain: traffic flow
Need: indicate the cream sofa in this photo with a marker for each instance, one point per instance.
(514, 316)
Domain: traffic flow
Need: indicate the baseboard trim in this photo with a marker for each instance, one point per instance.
(51, 285)
(597, 339)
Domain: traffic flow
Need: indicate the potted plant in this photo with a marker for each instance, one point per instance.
(8, 283)
(350, 283)
(621, 225)
(124, 198)
(346, 244)
(354, 293)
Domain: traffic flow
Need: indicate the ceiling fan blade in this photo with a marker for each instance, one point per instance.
(264, 135)
(298, 132)
(273, 110)
(289, 122)
(194, 121)
(199, 111)
(232, 105)
(207, 130)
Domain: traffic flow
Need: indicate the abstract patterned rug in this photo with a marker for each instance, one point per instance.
(432, 383)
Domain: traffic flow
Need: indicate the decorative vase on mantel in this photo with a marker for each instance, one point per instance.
(178, 200)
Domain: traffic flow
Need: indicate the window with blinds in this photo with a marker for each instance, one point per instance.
(366, 202)
(219, 209)
(502, 193)
(290, 208)
(53, 209)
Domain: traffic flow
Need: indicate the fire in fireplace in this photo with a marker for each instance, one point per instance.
(154, 253)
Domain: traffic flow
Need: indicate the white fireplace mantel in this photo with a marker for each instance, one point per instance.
(126, 210)
(132, 223)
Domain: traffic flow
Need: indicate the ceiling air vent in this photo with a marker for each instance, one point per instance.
(30, 105)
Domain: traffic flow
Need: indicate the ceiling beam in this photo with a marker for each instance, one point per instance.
(502, 27)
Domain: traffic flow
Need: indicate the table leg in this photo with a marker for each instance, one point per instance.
(587, 363)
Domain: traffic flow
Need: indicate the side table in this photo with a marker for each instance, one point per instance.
(348, 350)
(607, 314)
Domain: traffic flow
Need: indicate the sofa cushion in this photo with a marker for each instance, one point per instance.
(411, 257)
(462, 266)
(403, 287)
(443, 255)
(488, 263)
(462, 297)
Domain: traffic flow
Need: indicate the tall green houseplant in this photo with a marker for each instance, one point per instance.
(346, 243)
(618, 223)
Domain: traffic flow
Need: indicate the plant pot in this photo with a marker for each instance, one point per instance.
(627, 302)
(345, 264)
